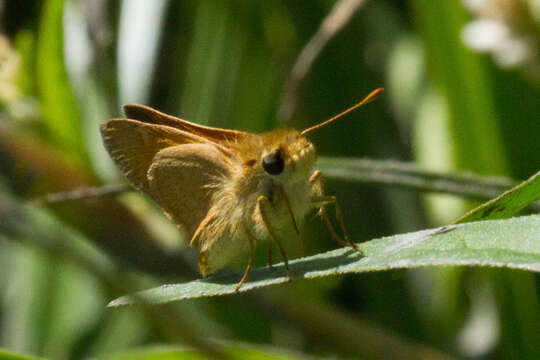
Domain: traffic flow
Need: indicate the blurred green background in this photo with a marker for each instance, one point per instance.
(463, 93)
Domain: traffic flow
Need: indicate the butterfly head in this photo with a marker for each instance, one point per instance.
(287, 156)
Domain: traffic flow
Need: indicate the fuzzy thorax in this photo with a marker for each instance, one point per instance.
(236, 211)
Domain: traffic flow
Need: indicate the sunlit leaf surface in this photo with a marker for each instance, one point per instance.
(513, 243)
(507, 204)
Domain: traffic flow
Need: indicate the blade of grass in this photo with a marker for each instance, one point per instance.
(60, 113)
(463, 78)
(411, 176)
(234, 350)
(5, 355)
(512, 243)
(507, 204)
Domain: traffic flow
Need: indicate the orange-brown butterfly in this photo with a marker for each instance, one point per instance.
(225, 189)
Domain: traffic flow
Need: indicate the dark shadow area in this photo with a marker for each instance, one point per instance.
(299, 268)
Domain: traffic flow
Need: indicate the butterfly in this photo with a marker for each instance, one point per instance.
(227, 190)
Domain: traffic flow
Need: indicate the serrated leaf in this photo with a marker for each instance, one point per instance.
(507, 204)
(512, 243)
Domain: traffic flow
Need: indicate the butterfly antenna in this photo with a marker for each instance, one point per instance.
(372, 96)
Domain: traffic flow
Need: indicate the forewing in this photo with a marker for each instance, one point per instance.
(182, 180)
(152, 116)
(133, 144)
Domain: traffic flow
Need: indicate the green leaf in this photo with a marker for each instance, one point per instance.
(60, 112)
(512, 243)
(234, 350)
(409, 175)
(4, 355)
(463, 78)
(507, 204)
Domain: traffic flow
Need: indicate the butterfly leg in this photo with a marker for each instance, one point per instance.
(288, 203)
(264, 203)
(321, 201)
(315, 177)
(324, 201)
(250, 261)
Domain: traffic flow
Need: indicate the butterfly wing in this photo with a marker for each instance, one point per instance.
(133, 144)
(152, 116)
(176, 168)
(182, 166)
(183, 179)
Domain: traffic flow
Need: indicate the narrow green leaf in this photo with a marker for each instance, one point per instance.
(60, 113)
(410, 176)
(512, 243)
(234, 350)
(4, 355)
(463, 78)
(507, 204)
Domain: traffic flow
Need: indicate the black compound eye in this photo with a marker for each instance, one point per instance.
(273, 163)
